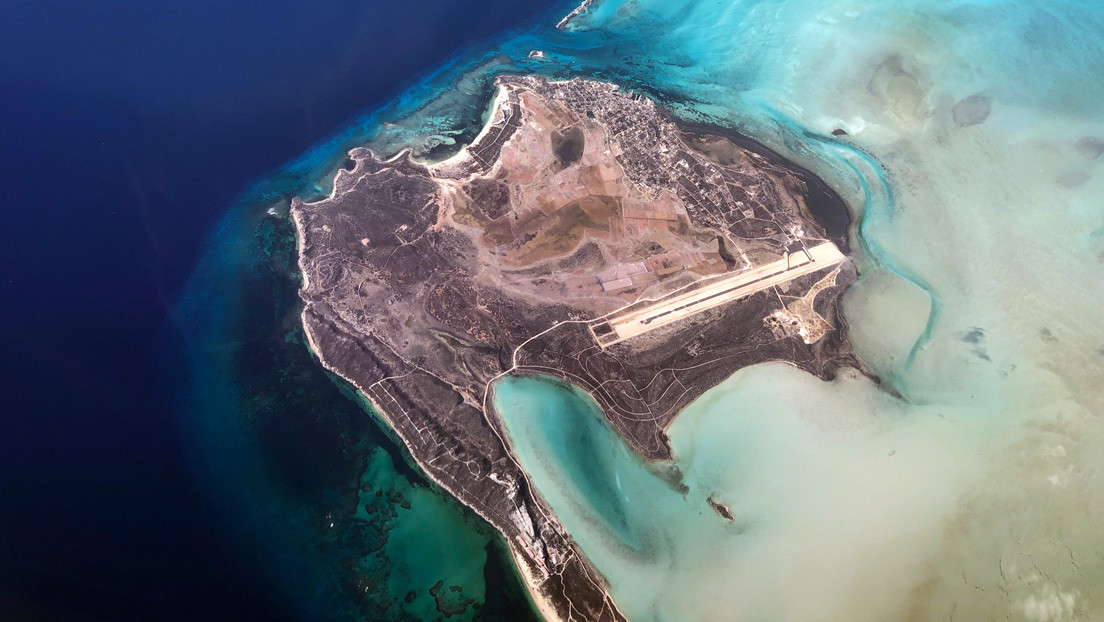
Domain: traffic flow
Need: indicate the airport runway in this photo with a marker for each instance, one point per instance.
(637, 321)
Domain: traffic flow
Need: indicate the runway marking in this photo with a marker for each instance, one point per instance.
(633, 322)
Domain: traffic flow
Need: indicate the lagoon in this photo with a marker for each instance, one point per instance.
(974, 468)
(968, 482)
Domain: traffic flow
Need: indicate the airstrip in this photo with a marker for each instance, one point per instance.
(637, 320)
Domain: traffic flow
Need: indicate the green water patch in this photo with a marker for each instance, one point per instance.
(785, 480)
(324, 501)
(566, 432)
(844, 503)
(975, 496)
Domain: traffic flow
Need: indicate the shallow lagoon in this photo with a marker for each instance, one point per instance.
(979, 492)
(981, 247)
(810, 478)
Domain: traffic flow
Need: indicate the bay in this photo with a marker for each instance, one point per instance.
(973, 467)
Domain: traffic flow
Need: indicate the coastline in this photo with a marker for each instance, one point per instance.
(541, 600)
(822, 145)
(461, 155)
(577, 11)
(531, 566)
(534, 586)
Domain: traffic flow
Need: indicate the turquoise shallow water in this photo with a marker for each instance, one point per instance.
(979, 493)
(326, 505)
(981, 251)
(811, 489)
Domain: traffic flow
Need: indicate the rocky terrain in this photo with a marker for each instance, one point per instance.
(578, 204)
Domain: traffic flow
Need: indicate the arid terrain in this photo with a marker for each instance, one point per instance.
(583, 235)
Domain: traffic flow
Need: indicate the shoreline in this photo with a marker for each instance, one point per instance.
(542, 603)
(534, 587)
(539, 599)
(576, 12)
(529, 565)
(818, 188)
(462, 153)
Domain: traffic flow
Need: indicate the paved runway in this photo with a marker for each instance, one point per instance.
(640, 320)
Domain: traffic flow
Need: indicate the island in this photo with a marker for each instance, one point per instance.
(584, 235)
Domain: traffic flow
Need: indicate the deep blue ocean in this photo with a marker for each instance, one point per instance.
(126, 129)
(170, 449)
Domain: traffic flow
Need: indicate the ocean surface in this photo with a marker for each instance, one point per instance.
(966, 483)
(127, 129)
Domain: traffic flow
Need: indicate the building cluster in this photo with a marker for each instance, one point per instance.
(637, 181)
(743, 201)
